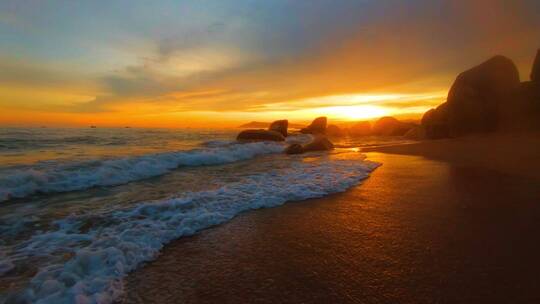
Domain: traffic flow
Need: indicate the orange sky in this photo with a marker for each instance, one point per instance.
(200, 64)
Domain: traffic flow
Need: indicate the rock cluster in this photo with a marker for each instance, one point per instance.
(487, 98)
(278, 131)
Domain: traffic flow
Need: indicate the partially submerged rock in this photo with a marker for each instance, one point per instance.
(294, 149)
(256, 135)
(318, 126)
(279, 126)
(319, 143)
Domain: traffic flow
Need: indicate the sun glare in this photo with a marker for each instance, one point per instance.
(354, 112)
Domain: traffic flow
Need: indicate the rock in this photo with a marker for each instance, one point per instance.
(535, 72)
(361, 128)
(294, 149)
(479, 101)
(318, 126)
(333, 130)
(319, 143)
(435, 122)
(523, 114)
(416, 133)
(254, 135)
(389, 126)
(475, 99)
(279, 126)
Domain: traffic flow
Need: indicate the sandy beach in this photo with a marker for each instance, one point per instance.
(449, 221)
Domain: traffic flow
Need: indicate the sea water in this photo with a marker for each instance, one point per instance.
(81, 208)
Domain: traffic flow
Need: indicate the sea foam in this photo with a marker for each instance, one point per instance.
(51, 176)
(100, 256)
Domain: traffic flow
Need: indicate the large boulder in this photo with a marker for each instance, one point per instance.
(257, 135)
(361, 128)
(477, 96)
(389, 126)
(535, 72)
(279, 126)
(479, 101)
(318, 126)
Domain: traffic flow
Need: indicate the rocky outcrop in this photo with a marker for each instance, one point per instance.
(257, 135)
(319, 143)
(535, 72)
(318, 126)
(279, 126)
(361, 128)
(389, 126)
(475, 101)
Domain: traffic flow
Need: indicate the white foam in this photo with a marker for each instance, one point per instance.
(103, 255)
(48, 177)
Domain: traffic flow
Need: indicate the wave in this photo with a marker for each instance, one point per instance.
(52, 177)
(101, 251)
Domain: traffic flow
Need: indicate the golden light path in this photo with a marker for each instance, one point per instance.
(356, 106)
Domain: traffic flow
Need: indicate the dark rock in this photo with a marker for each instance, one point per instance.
(361, 128)
(389, 126)
(294, 149)
(479, 101)
(333, 130)
(523, 114)
(279, 126)
(535, 72)
(475, 99)
(255, 135)
(416, 133)
(435, 122)
(318, 126)
(319, 143)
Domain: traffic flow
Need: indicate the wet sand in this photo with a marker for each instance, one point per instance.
(417, 231)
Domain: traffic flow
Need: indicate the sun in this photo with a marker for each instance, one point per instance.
(354, 112)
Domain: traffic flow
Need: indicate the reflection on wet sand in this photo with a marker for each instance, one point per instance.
(416, 231)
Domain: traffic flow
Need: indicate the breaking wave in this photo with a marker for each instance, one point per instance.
(53, 176)
(88, 255)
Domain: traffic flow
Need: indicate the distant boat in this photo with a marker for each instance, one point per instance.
(93, 127)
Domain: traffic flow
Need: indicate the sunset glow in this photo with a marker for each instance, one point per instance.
(192, 63)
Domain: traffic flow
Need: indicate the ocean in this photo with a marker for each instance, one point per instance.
(81, 208)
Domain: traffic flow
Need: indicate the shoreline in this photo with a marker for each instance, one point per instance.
(418, 230)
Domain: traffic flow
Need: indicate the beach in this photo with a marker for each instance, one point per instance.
(446, 221)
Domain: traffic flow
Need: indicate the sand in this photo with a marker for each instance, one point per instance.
(434, 226)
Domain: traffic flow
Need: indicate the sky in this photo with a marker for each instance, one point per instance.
(200, 63)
